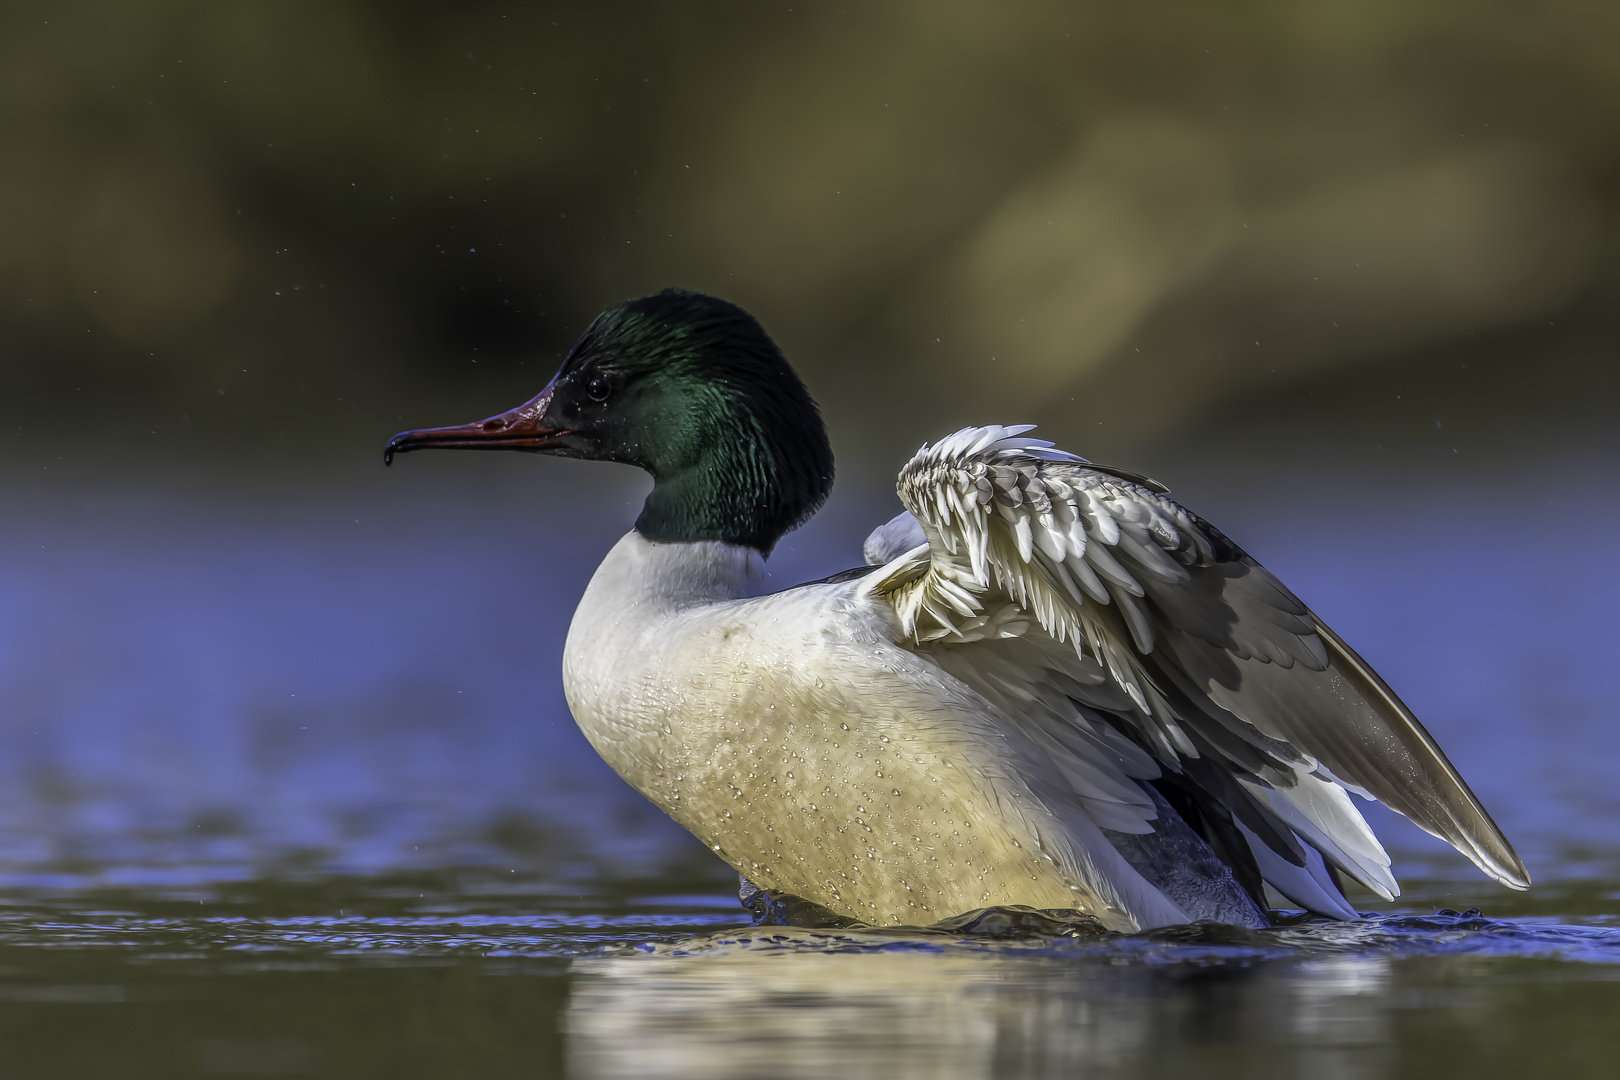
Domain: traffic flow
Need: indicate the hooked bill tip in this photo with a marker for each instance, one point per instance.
(394, 446)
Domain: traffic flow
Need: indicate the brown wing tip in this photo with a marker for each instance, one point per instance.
(1481, 840)
(1513, 874)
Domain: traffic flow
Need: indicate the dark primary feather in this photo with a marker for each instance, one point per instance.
(1290, 677)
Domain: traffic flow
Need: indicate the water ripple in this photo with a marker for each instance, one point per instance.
(691, 932)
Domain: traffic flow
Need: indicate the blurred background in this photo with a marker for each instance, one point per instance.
(1344, 276)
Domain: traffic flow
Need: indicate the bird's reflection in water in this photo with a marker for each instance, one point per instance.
(790, 1002)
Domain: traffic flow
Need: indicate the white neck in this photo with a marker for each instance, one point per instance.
(632, 624)
(642, 585)
(679, 575)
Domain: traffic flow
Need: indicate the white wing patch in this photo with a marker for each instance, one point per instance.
(1016, 528)
(1043, 535)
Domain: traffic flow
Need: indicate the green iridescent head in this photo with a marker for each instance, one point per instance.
(691, 389)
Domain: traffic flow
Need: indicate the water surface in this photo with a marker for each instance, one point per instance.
(458, 974)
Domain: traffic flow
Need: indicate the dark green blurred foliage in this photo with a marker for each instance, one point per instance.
(264, 221)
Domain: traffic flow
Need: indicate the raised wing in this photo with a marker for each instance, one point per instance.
(1173, 637)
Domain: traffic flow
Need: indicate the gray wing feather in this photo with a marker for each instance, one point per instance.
(1176, 636)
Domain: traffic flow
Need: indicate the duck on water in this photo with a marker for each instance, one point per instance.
(1053, 686)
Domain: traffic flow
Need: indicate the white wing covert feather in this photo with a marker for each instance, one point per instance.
(1084, 601)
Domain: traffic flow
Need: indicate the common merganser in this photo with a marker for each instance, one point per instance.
(1052, 686)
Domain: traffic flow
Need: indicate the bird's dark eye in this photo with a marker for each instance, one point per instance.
(598, 389)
